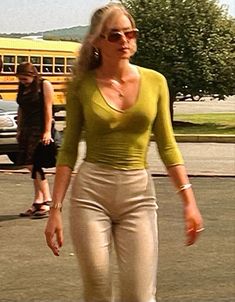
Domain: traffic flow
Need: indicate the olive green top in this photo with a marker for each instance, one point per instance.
(116, 138)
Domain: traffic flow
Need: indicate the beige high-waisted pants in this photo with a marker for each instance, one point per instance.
(120, 206)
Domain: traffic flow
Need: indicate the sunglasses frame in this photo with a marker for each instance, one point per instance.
(120, 34)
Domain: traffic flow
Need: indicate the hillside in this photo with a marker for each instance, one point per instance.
(75, 33)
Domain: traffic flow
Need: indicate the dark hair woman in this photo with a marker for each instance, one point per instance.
(35, 99)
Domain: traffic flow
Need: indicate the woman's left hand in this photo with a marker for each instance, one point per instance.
(46, 138)
(54, 231)
(193, 223)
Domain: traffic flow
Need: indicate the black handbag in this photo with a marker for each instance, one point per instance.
(44, 157)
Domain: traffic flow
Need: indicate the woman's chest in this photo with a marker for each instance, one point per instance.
(139, 116)
(120, 96)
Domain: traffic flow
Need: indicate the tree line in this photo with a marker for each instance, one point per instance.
(191, 42)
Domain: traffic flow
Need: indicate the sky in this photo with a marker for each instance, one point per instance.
(25, 16)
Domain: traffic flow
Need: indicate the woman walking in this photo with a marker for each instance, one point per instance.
(35, 99)
(118, 105)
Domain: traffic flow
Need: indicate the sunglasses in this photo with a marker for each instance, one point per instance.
(115, 36)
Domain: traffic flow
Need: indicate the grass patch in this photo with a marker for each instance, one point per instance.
(210, 123)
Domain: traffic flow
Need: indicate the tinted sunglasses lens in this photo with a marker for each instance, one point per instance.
(114, 37)
(131, 34)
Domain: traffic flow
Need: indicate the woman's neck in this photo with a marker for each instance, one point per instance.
(119, 72)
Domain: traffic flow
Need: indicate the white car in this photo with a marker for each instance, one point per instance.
(8, 127)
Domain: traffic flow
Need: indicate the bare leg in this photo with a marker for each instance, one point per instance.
(42, 190)
(38, 195)
(41, 194)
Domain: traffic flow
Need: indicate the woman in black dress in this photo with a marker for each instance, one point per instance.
(35, 99)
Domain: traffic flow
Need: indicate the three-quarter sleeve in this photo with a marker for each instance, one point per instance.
(74, 124)
(163, 131)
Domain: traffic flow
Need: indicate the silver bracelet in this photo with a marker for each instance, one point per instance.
(184, 187)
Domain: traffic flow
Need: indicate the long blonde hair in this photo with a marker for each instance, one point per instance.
(89, 57)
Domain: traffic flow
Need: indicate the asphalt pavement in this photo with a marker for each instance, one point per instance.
(202, 273)
(201, 159)
(29, 272)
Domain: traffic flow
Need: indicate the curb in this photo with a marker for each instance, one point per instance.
(154, 174)
(202, 138)
(205, 138)
(196, 175)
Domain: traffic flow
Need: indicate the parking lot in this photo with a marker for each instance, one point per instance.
(7, 131)
(200, 273)
(208, 106)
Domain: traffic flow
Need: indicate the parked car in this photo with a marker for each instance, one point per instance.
(8, 127)
(219, 97)
(187, 96)
(183, 97)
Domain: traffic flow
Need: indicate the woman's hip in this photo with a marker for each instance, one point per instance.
(113, 189)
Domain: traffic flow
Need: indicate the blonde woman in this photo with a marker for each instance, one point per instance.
(113, 199)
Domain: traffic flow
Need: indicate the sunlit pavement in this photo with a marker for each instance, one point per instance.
(202, 273)
(201, 159)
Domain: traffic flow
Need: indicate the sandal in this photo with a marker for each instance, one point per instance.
(42, 211)
(33, 209)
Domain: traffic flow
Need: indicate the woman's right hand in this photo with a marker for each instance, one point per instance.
(54, 231)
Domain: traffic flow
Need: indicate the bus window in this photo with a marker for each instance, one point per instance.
(47, 65)
(9, 64)
(21, 59)
(36, 61)
(69, 64)
(59, 65)
(54, 61)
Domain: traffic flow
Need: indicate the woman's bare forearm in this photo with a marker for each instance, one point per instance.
(179, 177)
(48, 103)
(193, 219)
(61, 183)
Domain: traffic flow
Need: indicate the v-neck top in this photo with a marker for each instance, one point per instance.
(115, 138)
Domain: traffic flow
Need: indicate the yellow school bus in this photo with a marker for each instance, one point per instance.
(53, 59)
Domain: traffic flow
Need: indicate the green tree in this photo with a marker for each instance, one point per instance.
(192, 42)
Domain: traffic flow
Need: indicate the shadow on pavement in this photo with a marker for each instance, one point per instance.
(9, 217)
